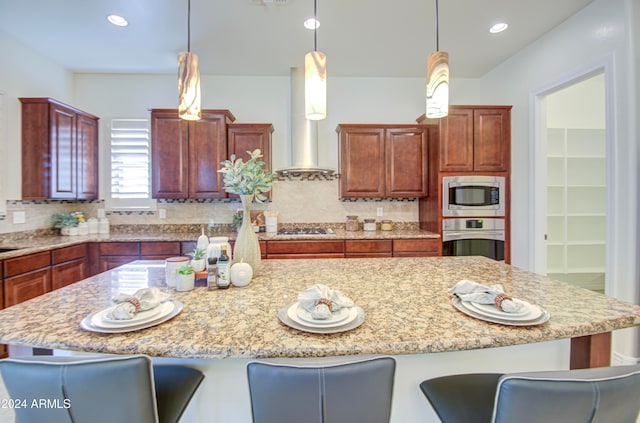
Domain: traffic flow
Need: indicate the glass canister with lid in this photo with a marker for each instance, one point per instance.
(369, 224)
(352, 223)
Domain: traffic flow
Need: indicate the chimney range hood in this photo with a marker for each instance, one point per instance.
(304, 135)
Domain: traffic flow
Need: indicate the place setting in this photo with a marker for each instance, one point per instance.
(321, 309)
(491, 304)
(145, 308)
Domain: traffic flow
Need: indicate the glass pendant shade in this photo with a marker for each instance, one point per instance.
(189, 107)
(315, 85)
(438, 85)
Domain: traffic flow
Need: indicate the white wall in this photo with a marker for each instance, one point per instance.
(601, 31)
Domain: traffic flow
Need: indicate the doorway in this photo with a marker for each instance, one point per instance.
(571, 183)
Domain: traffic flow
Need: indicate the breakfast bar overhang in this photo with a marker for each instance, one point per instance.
(408, 314)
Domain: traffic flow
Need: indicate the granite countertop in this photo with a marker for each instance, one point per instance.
(408, 311)
(37, 244)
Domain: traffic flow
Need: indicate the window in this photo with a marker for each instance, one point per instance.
(130, 159)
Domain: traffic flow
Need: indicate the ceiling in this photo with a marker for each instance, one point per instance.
(365, 38)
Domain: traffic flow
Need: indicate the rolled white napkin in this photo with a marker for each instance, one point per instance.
(143, 299)
(320, 301)
(472, 291)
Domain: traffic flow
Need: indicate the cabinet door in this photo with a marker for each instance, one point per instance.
(305, 249)
(362, 162)
(26, 286)
(492, 140)
(159, 250)
(207, 148)
(69, 272)
(368, 248)
(417, 247)
(62, 136)
(87, 157)
(243, 137)
(406, 160)
(169, 155)
(456, 141)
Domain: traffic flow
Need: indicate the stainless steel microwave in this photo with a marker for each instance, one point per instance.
(473, 195)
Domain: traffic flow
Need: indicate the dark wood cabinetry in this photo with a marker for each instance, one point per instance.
(379, 161)
(186, 155)
(305, 249)
(417, 247)
(26, 277)
(159, 250)
(69, 265)
(475, 139)
(59, 151)
(114, 254)
(243, 137)
(368, 248)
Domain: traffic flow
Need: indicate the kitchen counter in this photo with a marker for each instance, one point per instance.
(408, 311)
(44, 243)
(408, 315)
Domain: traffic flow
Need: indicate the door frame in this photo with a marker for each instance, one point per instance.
(538, 165)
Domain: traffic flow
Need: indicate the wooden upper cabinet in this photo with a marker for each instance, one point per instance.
(186, 155)
(383, 161)
(362, 161)
(243, 137)
(492, 140)
(475, 139)
(59, 151)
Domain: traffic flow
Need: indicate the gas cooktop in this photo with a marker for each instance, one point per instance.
(305, 231)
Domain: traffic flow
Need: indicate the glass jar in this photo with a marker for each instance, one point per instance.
(386, 225)
(352, 223)
(369, 225)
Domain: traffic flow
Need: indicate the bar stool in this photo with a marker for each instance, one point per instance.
(348, 392)
(600, 395)
(98, 389)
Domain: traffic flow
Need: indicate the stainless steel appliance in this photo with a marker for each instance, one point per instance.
(473, 237)
(473, 195)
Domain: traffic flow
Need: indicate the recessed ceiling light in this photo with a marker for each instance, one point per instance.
(312, 23)
(499, 27)
(117, 20)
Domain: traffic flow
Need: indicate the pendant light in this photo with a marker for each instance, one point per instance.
(188, 79)
(437, 79)
(315, 79)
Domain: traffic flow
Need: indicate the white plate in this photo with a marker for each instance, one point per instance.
(303, 314)
(105, 316)
(351, 314)
(457, 303)
(284, 318)
(530, 311)
(87, 325)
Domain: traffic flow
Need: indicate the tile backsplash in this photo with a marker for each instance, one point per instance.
(299, 201)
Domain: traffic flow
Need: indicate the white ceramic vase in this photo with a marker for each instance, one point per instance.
(247, 247)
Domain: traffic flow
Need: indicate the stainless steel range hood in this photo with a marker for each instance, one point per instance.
(304, 134)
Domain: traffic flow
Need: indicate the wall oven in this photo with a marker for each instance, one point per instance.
(473, 237)
(473, 195)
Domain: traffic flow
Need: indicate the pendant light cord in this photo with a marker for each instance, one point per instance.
(315, 27)
(189, 26)
(437, 29)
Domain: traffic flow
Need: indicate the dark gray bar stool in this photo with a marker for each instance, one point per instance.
(602, 395)
(343, 393)
(98, 389)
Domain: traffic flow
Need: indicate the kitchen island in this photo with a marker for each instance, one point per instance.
(408, 315)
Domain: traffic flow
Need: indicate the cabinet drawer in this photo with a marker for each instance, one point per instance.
(68, 253)
(119, 248)
(407, 247)
(368, 246)
(160, 248)
(305, 256)
(15, 266)
(304, 247)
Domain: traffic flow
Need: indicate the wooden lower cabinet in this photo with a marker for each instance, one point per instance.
(114, 254)
(26, 277)
(69, 265)
(305, 249)
(417, 247)
(368, 248)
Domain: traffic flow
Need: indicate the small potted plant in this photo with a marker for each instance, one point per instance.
(66, 222)
(185, 278)
(197, 259)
